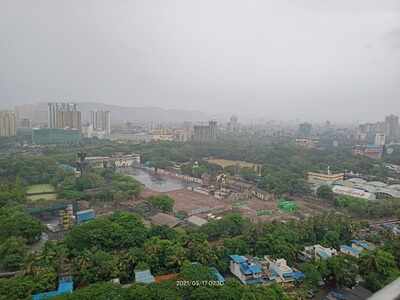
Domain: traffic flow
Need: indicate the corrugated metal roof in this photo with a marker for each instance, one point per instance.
(144, 276)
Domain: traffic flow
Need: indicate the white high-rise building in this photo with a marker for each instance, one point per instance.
(380, 139)
(101, 121)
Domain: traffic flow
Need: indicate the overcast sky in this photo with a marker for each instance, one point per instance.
(279, 59)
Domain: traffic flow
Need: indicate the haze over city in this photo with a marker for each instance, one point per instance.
(306, 60)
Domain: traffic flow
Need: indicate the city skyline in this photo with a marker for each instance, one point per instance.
(338, 61)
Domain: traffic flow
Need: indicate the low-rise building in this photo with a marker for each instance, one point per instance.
(85, 215)
(371, 151)
(119, 161)
(358, 193)
(162, 219)
(246, 271)
(280, 272)
(356, 248)
(197, 221)
(317, 252)
(261, 194)
(378, 189)
(324, 178)
(49, 136)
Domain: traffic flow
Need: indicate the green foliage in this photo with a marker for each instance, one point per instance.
(120, 231)
(163, 255)
(30, 169)
(199, 250)
(344, 270)
(356, 206)
(236, 245)
(312, 274)
(369, 209)
(229, 226)
(195, 272)
(325, 192)
(98, 291)
(12, 253)
(105, 185)
(95, 266)
(11, 194)
(162, 202)
(15, 222)
(17, 288)
(379, 268)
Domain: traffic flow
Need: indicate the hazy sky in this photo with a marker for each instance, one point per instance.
(280, 59)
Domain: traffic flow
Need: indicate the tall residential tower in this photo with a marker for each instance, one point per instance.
(64, 115)
(101, 121)
(8, 126)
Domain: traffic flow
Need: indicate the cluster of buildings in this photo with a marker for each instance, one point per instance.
(67, 219)
(205, 133)
(317, 252)
(117, 160)
(373, 137)
(355, 187)
(263, 271)
(380, 133)
(64, 125)
(356, 248)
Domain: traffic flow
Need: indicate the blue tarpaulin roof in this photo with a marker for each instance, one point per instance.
(295, 275)
(238, 258)
(64, 287)
(249, 269)
(361, 244)
(350, 249)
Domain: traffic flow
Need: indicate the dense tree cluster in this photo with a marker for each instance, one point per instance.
(363, 208)
(162, 202)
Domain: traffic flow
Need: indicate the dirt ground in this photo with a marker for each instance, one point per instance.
(305, 208)
(189, 202)
(194, 203)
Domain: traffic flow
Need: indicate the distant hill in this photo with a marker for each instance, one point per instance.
(120, 114)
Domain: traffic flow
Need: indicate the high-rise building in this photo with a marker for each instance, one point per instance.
(101, 121)
(204, 133)
(392, 128)
(64, 115)
(24, 123)
(380, 139)
(233, 124)
(305, 130)
(8, 124)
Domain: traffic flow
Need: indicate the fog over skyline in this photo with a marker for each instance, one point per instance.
(281, 59)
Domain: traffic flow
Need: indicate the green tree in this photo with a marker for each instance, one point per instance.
(344, 270)
(162, 202)
(15, 222)
(95, 266)
(12, 253)
(378, 268)
(325, 192)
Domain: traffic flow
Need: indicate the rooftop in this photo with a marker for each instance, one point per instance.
(144, 276)
(197, 220)
(164, 219)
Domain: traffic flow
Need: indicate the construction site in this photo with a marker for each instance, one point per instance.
(213, 197)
